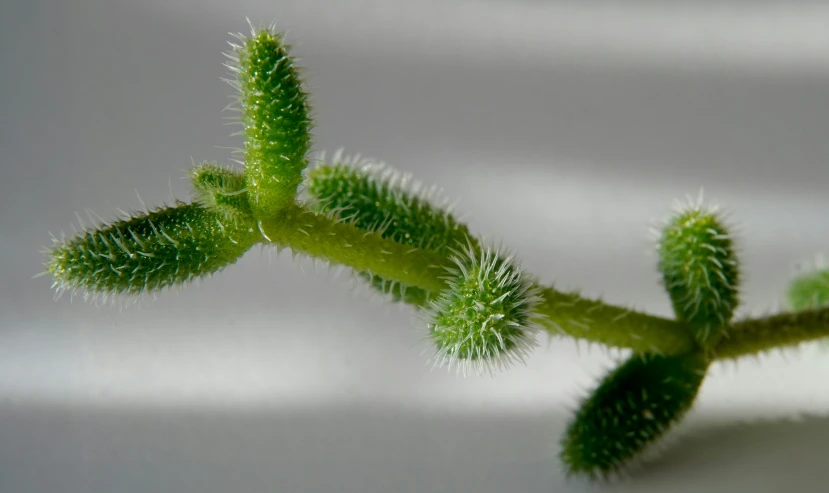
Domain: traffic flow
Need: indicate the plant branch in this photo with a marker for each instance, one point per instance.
(338, 242)
(594, 320)
(777, 331)
(320, 236)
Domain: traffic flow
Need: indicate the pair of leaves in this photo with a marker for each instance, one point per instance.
(173, 245)
(637, 403)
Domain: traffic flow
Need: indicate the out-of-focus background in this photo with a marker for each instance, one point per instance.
(565, 129)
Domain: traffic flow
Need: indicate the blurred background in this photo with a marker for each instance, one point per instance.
(565, 129)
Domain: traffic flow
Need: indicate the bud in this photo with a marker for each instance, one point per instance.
(486, 318)
(809, 291)
(220, 189)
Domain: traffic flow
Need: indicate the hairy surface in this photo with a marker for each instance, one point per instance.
(381, 200)
(274, 115)
(221, 189)
(632, 407)
(699, 269)
(149, 252)
(486, 318)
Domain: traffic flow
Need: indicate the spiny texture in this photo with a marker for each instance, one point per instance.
(377, 199)
(699, 268)
(165, 247)
(633, 406)
(753, 336)
(275, 118)
(486, 318)
(221, 189)
(809, 291)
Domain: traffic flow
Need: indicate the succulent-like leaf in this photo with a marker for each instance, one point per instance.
(374, 198)
(699, 268)
(149, 252)
(275, 119)
(809, 291)
(633, 406)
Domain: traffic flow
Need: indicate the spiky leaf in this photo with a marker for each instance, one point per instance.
(632, 407)
(149, 252)
(699, 268)
(275, 117)
(377, 199)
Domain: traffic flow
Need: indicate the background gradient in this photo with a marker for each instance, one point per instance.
(565, 129)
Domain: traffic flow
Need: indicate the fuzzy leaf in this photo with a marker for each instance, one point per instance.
(700, 272)
(632, 407)
(275, 117)
(166, 247)
(374, 199)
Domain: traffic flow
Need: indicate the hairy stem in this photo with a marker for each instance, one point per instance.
(615, 326)
(317, 235)
(754, 336)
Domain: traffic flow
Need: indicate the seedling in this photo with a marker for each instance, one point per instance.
(483, 310)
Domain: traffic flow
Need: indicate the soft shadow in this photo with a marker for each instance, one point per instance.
(372, 448)
(787, 454)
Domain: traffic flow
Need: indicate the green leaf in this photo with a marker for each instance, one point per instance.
(809, 291)
(632, 407)
(376, 199)
(486, 317)
(275, 119)
(149, 252)
(699, 269)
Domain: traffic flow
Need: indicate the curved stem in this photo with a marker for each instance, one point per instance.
(320, 236)
(569, 314)
(317, 235)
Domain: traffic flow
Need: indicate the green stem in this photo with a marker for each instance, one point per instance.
(317, 235)
(597, 321)
(762, 334)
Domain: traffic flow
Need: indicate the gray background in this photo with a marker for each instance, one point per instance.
(563, 129)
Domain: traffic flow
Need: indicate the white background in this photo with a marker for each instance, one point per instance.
(564, 129)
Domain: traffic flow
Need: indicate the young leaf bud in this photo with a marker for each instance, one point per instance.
(220, 189)
(699, 269)
(275, 120)
(632, 407)
(809, 291)
(486, 318)
(165, 247)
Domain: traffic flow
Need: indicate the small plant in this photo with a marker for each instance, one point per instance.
(483, 310)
